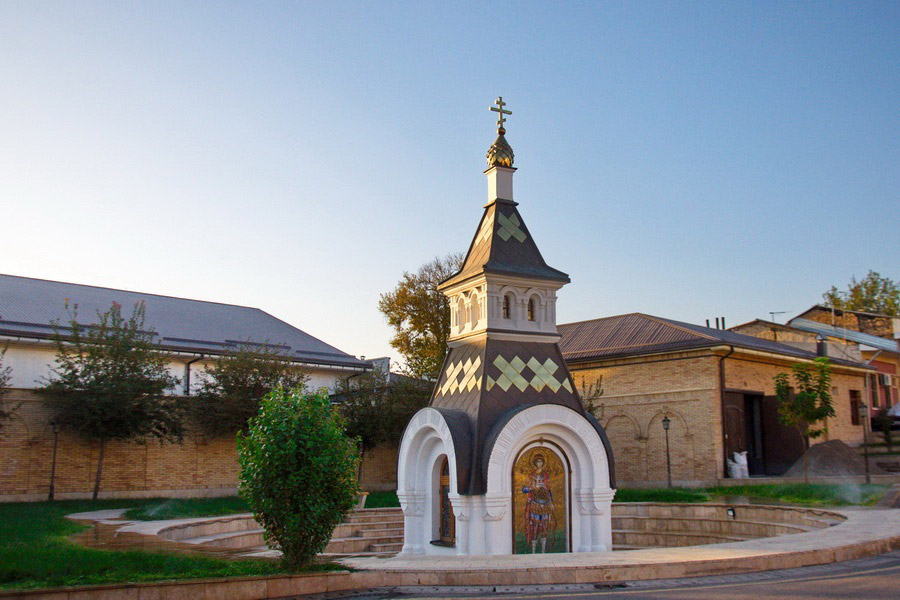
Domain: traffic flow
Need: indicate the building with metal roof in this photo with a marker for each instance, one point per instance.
(713, 387)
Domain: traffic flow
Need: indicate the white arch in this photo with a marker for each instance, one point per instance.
(425, 442)
(592, 495)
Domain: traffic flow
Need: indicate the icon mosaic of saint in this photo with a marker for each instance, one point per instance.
(540, 487)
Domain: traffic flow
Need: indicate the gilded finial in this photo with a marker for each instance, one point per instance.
(500, 154)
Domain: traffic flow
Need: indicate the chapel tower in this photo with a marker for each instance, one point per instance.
(504, 402)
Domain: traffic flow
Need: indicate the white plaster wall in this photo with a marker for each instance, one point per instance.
(32, 363)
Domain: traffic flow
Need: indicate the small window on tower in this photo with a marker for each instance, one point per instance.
(507, 308)
(531, 309)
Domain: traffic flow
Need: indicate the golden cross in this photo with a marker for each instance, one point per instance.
(501, 111)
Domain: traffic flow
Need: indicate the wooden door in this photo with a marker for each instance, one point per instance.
(735, 426)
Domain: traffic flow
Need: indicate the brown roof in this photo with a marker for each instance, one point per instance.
(637, 333)
(503, 245)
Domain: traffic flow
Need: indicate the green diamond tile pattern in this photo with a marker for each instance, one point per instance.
(510, 227)
(461, 376)
(511, 374)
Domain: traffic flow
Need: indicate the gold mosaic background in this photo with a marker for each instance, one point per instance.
(557, 539)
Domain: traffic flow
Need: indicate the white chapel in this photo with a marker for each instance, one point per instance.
(504, 459)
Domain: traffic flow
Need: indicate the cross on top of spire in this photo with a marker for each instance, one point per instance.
(500, 112)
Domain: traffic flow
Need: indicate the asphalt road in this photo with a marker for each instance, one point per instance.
(875, 578)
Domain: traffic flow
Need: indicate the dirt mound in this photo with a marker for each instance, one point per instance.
(834, 459)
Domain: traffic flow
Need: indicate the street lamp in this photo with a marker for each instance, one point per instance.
(666, 422)
(864, 417)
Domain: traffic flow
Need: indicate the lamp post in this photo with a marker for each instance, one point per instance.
(666, 422)
(864, 417)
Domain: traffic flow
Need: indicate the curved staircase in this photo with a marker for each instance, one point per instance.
(379, 531)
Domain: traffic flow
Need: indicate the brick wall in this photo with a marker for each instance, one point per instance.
(379, 469)
(754, 374)
(198, 467)
(637, 393)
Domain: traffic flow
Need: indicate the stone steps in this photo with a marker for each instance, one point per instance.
(643, 539)
(360, 544)
(229, 539)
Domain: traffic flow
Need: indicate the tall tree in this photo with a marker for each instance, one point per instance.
(420, 316)
(110, 382)
(230, 391)
(807, 403)
(874, 294)
(6, 409)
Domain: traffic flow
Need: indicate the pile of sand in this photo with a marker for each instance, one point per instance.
(834, 459)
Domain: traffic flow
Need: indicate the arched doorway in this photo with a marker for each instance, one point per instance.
(541, 500)
(447, 526)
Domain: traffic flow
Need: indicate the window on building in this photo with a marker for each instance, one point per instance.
(507, 307)
(855, 403)
(531, 309)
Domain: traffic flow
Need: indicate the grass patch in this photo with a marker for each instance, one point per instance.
(807, 494)
(35, 552)
(660, 495)
(183, 508)
(382, 500)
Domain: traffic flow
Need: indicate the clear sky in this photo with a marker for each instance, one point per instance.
(687, 160)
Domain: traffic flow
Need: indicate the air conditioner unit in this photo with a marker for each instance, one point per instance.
(884, 379)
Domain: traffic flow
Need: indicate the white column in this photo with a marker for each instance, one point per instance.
(413, 505)
(497, 537)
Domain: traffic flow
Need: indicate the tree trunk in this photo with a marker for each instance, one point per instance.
(99, 469)
(805, 455)
(53, 465)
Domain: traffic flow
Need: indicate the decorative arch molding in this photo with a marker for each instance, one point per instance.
(674, 415)
(570, 430)
(623, 416)
(432, 435)
(585, 448)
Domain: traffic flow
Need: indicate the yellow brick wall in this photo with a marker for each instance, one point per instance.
(754, 374)
(637, 393)
(198, 467)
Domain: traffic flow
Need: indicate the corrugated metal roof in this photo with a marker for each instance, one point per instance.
(859, 337)
(28, 307)
(637, 333)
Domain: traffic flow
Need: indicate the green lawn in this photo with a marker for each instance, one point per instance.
(35, 551)
(806, 494)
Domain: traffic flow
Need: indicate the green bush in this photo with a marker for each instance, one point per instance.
(298, 472)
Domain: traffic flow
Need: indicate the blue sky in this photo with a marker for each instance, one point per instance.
(687, 160)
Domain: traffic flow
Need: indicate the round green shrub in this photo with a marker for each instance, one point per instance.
(298, 472)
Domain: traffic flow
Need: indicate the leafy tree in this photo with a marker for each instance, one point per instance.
(298, 472)
(377, 410)
(874, 294)
(6, 409)
(110, 382)
(590, 392)
(232, 388)
(807, 403)
(420, 316)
